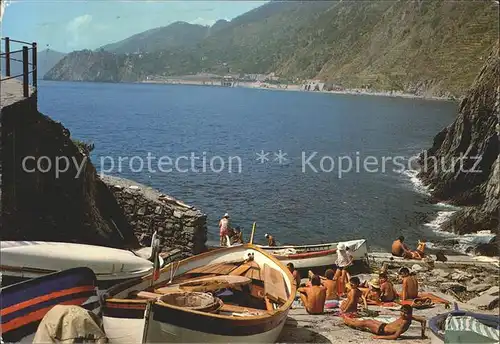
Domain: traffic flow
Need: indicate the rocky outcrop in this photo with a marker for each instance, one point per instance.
(462, 166)
(178, 225)
(38, 203)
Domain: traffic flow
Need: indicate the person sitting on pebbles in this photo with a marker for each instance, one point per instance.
(330, 284)
(391, 331)
(410, 284)
(387, 291)
(372, 293)
(313, 297)
(354, 297)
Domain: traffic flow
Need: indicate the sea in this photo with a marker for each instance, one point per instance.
(306, 167)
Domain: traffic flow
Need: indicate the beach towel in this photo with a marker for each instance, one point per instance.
(329, 304)
(420, 303)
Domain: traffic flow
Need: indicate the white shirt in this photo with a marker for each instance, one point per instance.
(343, 258)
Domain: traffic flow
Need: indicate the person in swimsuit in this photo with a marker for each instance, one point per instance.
(295, 274)
(419, 252)
(373, 292)
(355, 296)
(313, 297)
(399, 248)
(391, 330)
(410, 284)
(388, 293)
(224, 229)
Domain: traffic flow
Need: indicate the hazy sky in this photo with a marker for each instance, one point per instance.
(67, 25)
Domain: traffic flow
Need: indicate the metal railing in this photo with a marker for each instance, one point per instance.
(25, 61)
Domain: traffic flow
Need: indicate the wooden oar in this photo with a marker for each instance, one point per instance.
(253, 232)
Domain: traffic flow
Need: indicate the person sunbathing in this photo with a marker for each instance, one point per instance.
(313, 297)
(373, 292)
(410, 284)
(391, 330)
(419, 252)
(354, 296)
(387, 291)
(399, 248)
(330, 284)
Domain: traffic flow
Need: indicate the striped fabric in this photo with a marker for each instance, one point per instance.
(23, 305)
(458, 326)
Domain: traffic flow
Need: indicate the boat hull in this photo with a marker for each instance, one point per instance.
(313, 256)
(169, 323)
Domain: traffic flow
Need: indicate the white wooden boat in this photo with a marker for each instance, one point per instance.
(320, 255)
(259, 291)
(22, 260)
(24, 304)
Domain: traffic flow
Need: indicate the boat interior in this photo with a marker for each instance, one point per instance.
(240, 287)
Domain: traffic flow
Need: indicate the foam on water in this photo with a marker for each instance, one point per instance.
(418, 185)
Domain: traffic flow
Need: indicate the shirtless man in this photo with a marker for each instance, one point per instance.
(330, 284)
(350, 305)
(399, 248)
(313, 297)
(391, 330)
(387, 291)
(410, 284)
(270, 240)
(295, 274)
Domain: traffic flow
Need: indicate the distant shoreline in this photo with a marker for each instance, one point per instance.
(299, 88)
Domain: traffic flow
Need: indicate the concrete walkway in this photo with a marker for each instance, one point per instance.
(11, 91)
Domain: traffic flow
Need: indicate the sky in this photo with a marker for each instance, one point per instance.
(67, 25)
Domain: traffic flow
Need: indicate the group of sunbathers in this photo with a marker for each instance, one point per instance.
(322, 292)
(400, 249)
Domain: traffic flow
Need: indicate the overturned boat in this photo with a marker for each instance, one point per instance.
(25, 304)
(235, 294)
(320, 255)
(22, 260)
(464, 327)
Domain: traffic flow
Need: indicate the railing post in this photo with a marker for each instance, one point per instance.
(34, 64)
(25, 72)
(7, 56)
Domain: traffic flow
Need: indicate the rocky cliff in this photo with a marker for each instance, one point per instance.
(178, 225)
(462, 166)
(38, 203)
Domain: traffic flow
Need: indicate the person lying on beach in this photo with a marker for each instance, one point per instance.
(419, 252)
(399, 248)
(387, 291)
(295, 274)
(391, 330)
(354, 296)
(410, 284)
(313, 297)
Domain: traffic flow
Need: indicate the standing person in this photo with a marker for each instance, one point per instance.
(410, 284)
(295, 274)
(270, 240)
(224, 229)
(313, 297)
(344, 260)
(388, 293)
(391, 330)
(399, 248)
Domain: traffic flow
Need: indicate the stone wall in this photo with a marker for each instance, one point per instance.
(178, 225)
(48, 207)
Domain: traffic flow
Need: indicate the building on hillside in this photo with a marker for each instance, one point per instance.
(313, 85)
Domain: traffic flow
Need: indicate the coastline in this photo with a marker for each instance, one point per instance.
(300, 88)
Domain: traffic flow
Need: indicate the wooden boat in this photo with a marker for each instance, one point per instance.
(22, 260)
(24, 304)
(464, 327)
(321, 255)
(235, 294)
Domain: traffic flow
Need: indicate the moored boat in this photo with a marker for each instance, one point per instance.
(235, 294)
(24, 304)
(464, 327)
(22, 260)
(320, 255)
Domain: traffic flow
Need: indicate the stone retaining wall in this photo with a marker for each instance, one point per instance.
(178, 225)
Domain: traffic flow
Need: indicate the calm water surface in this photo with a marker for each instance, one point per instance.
(290, 200)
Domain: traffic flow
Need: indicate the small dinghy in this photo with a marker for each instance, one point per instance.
(22, 260)
(321, 255)
(236, 294)
(461, 327)
(26, 303)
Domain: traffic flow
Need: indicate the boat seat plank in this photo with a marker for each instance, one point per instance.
(254, 272)
(239, 309)
(168, 290)
(240, 270)
(274, 285)
(221, 269)
(214, 283)
(148, 295)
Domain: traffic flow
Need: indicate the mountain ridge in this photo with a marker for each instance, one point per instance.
(425, 48)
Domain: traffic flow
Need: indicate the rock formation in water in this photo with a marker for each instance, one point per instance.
(37, 203)
(463, 166)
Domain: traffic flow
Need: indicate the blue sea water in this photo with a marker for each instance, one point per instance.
(298, 202)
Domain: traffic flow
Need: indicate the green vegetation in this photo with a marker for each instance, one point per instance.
(83, 147)
(425, 47)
